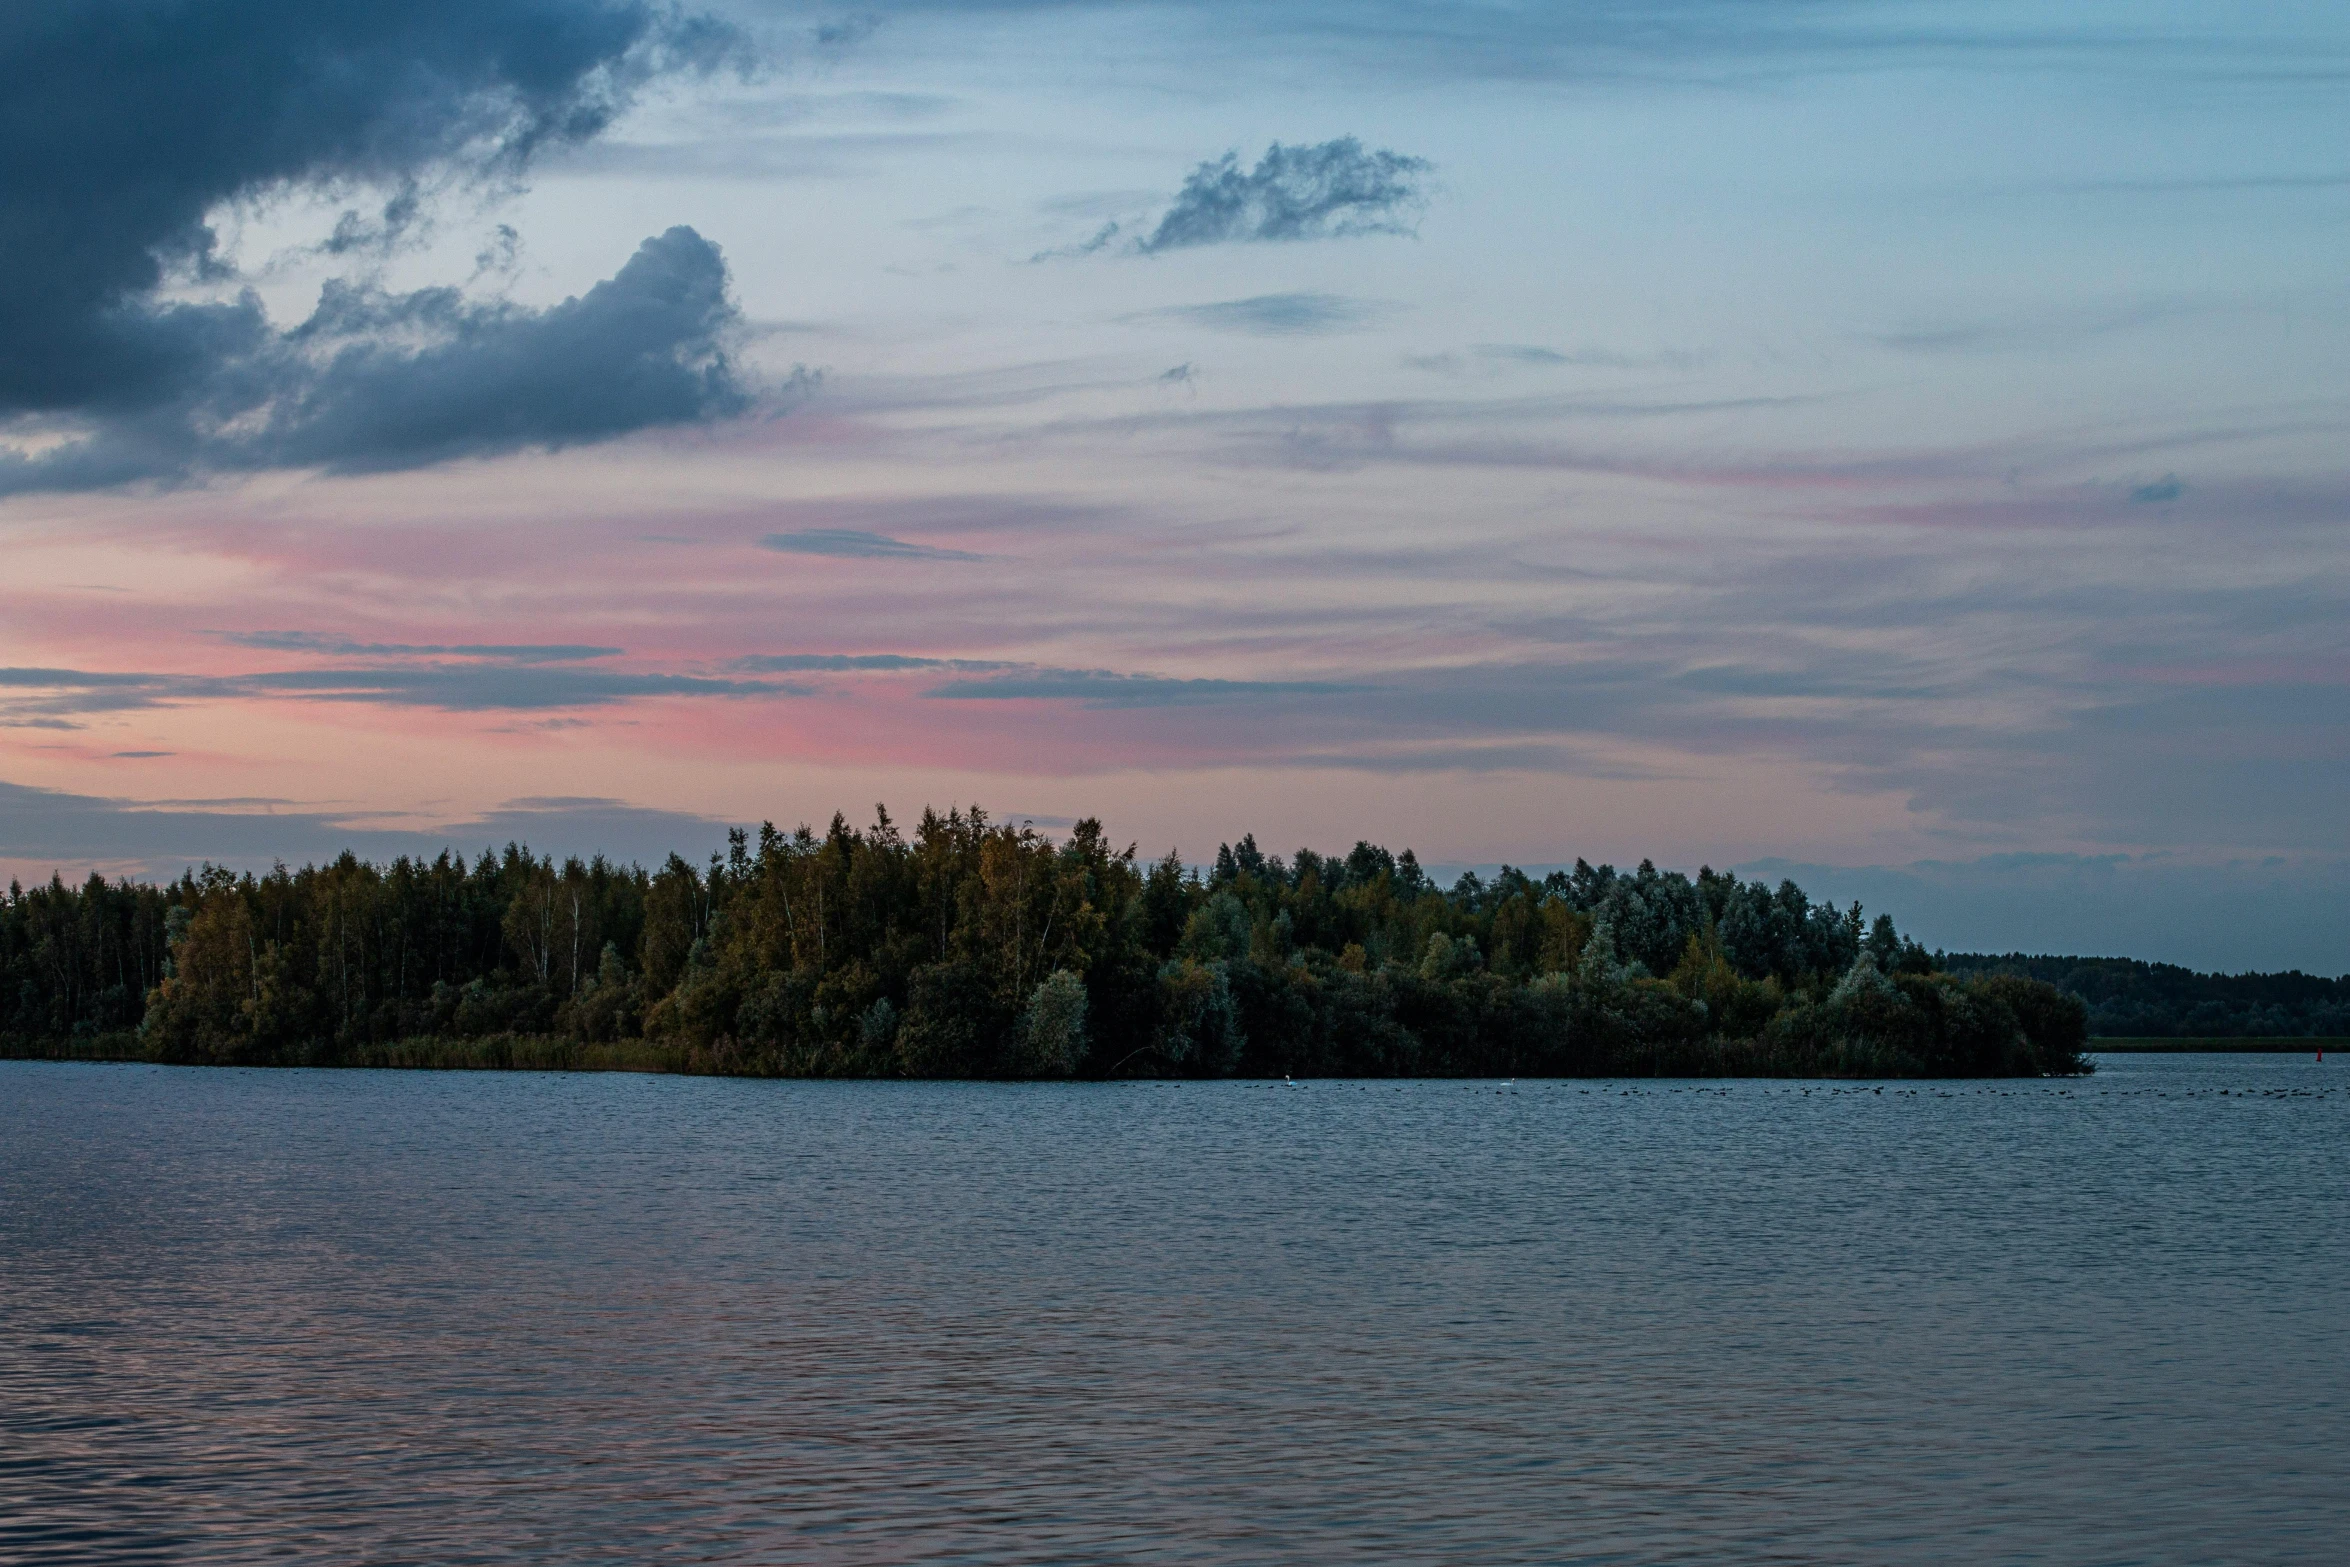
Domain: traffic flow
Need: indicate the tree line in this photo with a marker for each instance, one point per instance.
(977, 948)
(2128, 999)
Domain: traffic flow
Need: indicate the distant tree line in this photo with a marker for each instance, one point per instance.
(2132, 1000)
(974, 948)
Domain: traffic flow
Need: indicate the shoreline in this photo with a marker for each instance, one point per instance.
(2277, 1045)
(551, 1053)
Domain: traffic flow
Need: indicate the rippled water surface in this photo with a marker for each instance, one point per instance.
(448, 1317)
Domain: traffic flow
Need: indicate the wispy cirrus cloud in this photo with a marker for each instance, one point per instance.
(1011, 680)
(1715, 41)
(1273, 315)
(854, 663)
(49, 697)
(2036, 330)
(1537, 357)
(344, 647)
(857, 544)
(1556, 757)
(493, 687)
(1102, 688)
(46, 698)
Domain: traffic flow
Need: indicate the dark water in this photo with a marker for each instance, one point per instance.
(443, 1317)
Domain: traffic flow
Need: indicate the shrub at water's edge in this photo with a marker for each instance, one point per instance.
(976, 949)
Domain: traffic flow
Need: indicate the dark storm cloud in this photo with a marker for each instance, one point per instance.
(378, 381)
(1327, 191)
(124, 123)
(856, 544)
(645, 347)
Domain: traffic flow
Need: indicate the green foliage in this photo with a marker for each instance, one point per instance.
(1051, 1033)
(1199, 1026)
(2129, 999)
(1217, 931)
(953, 1027)
(2055, 1023)
(973, 948)
(1937, 1025)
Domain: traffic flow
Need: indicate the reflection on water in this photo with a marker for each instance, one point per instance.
(471, 1318)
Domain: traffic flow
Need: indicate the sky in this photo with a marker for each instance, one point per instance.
(1905, 447)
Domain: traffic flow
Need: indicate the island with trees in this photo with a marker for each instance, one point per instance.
(974, 948)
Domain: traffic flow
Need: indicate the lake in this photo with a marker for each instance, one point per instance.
(460, 1317)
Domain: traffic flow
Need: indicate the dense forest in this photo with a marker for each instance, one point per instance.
(974, 948)
(2132, 1000)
